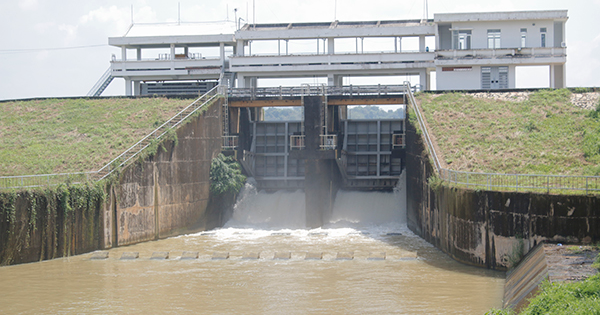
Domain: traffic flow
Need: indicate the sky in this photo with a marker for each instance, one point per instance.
(56, 48)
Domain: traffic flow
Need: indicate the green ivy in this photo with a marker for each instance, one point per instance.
(225, 175)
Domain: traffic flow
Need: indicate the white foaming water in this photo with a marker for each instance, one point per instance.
(258, 214)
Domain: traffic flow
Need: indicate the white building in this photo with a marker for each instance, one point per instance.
(481, 50)
(468, 51)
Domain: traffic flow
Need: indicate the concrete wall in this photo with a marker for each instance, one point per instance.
(468, 80)
(510, 32)
(487, 228)
(168, 193)
(46, 224)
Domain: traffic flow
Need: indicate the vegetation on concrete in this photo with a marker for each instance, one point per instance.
(575, 298)
(545, 134)
(49, 214)
(225, 175)
(72, 135)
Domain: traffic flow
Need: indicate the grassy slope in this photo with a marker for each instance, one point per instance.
(543, 135)
(69, 135)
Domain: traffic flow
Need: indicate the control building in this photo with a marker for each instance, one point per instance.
(467, 51)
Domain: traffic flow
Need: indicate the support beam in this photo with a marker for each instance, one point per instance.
(128, 87)
(137, 88)
(421, 43)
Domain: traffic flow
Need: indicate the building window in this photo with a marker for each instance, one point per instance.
(543, 33)
(493, 39)
(461, 39)
(523, 37)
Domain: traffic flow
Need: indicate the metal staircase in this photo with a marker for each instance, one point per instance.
(154, 136)
(102, 83)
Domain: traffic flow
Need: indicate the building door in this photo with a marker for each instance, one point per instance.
(493, 78)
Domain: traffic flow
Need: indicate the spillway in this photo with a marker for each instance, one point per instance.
(264, 261)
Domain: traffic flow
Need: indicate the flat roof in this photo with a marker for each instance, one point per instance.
(181, 29)
(304, 30)
(501, 16)
(159, 35)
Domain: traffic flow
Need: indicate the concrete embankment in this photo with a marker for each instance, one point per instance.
(556, 263)
(489, 228)
(164, 195)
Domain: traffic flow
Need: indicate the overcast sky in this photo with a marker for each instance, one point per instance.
(59, 47)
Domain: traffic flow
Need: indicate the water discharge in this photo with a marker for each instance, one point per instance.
(365, 260)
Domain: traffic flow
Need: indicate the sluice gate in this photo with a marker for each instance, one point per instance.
(323, 152)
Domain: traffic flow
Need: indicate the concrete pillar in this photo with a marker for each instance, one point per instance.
(557, 76)
(172, 57)
(137, 88)
(123, 54)
(330, 46)
(128, 87)
(239, 48)
(186, 51)
(317, 174)
(241, 81)
(424, 79)
(330, 80)
(138, 54)
(552, 81)
(421, 43)
(222, 53)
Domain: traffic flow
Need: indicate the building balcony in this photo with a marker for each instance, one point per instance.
(165, 68)
(537, 55)
(332, 62)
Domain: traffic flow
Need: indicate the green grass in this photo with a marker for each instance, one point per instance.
(543, 135)
(576, 298)
(72, 135)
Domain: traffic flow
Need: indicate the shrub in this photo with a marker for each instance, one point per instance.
(225, 175)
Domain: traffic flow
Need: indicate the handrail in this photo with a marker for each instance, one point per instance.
(305, 90)
(159, 132)
(411, 100)
(100, 82)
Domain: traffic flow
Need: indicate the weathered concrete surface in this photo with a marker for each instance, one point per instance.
(168, 193)
(41, 225)
(487, 228)
(547, 261)
(321, 176)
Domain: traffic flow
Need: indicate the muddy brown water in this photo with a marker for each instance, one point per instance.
(412, 277)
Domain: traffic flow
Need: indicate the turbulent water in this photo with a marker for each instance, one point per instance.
(365, 260)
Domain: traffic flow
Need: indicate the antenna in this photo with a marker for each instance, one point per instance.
(227, 10)
(335, 11)
(425, 10)
(253, 13)
(178, 13)
(236, 19)
(132, 14)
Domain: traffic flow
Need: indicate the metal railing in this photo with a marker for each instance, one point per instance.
(30, 181)
(522, 182)
(159, 132)
(33, 181)
(101, 84)
(230, 142)
(413, 103)
(350, 91)
(328, 142)
(297, 142)
(504, 182)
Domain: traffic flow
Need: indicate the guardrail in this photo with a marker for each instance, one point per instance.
(31, 181)
(328, 142)
(159, 132)
(497, 181)
(296, 91)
